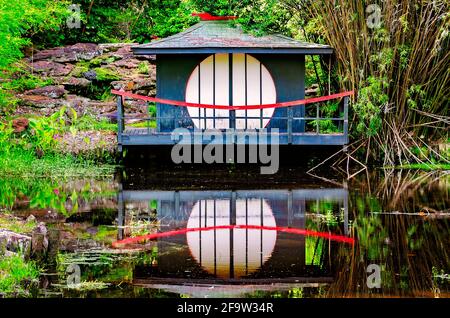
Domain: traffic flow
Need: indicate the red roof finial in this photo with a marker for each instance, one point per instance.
(204, 16)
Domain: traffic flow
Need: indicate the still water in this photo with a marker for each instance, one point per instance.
(235, 233)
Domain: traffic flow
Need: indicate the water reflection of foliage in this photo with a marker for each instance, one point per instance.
(408, 245)
(63, 196)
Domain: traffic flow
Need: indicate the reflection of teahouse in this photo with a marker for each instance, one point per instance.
(215, 76)
(224, 238)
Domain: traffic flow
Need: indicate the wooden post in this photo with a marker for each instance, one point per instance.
(232, 112)
(232, 222)
(120, 122)
(317, 119)
(289, 124)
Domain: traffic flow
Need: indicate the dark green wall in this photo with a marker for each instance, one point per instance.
(173, 72)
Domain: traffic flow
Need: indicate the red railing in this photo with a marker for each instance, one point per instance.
(234, 107)
(289, 117)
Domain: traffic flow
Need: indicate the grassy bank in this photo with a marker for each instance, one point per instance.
(21, 163)
(57, 146)
(16, 275)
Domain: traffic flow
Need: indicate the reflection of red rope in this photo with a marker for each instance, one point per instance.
(154, 236)
(240, 107)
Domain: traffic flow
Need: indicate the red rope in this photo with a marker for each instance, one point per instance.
(154, 236)
(240, 107)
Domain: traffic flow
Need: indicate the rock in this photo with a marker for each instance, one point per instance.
(129, 63)
(48, 54)
(39, 101)
(90, 75)
(14, 242)
(47, 68)
(39, 241)
(150, 58)
(73, 81)
(49, 91)
(69, 54)
(121, 85)
(124, 52)
(85, 51)
(79, 103)
(143, 84)
(113, 47)
(102, 107)
(20, 124)
(31, 218)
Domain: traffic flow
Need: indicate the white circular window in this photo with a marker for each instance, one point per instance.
(251, 84)
(213, 249)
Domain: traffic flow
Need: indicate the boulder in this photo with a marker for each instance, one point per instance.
(90, 75)
(72, 81)
(143, 84)
(69, 54)
(114, 47)
(79, 103)
(20, 124)
(129, 63)
(102, 107)
(40, 101)
(124, 52)
(48, 54)
(122, 85)
(49, 91)
(14, 242)
(48, 68)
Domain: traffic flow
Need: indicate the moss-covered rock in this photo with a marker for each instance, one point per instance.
(106, 74)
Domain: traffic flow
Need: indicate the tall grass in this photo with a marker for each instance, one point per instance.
(400, 68)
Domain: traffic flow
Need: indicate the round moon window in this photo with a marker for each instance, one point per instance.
(250, 248)
(251, 84)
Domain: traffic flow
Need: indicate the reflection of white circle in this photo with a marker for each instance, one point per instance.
(210, 84)
(212, 249)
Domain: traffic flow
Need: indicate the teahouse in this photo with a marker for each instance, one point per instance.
(216, 76)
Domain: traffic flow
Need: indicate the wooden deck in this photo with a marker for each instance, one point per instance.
(150, 136)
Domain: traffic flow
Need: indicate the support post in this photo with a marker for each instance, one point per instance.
(346, 99)
(317, 119)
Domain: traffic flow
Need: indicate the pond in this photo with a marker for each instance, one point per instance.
(235, 233)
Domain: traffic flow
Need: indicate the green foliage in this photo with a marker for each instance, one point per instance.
(15, 275)
(372, 99)
(262, 16)
(104, 74)
(399, 68)
(122, 21)
(213, 7)
(17, 78)
(20, 19)
(144, 67)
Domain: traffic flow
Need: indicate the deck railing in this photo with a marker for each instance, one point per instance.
(295, 123)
